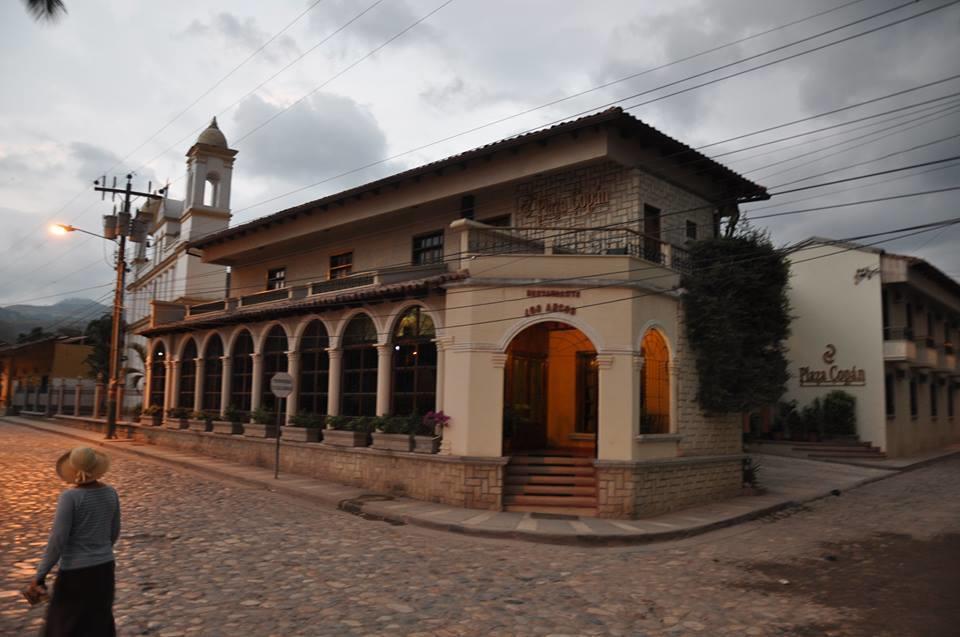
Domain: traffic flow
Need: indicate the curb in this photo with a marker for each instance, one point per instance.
(365, 505)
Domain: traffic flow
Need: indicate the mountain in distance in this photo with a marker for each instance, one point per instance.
(72, 313)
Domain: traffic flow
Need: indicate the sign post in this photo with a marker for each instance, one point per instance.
(281, 385)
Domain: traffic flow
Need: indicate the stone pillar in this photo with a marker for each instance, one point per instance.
(617, 416)
(61, 392)
(384, 373)
(256, 390)
(147, 382)
(174, 398)
(198, 385)
(333, 381)
(225, 384)
(293, 368)
(77, 396)
(97, 396)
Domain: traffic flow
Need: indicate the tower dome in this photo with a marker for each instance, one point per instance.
(212, 135)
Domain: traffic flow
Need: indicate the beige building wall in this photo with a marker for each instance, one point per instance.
(837, 327)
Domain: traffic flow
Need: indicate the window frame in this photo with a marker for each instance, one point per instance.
(691, 230)
(436, 250)
(212, 390)
(340, 271)
(275, 282)
(313, 395)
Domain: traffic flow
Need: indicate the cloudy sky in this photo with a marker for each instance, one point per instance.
(126, 86)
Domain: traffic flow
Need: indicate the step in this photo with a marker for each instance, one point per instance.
(550, 479)
(551, 460)
(830, 443)
(848, 456)
(550, 500)
(574, 511)
(549, 489)
(532, 469)
(838, 448)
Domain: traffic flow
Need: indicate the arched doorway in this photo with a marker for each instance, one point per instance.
(550, 393)
(655, 385)
(274, 362)
(188, 375)
(414, 364)
(158, 375)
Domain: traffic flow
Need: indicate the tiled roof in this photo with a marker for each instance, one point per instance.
(306, 305)
(740, 186)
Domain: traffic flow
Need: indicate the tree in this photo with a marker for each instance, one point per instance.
(98, 337)
(49, 10)
(737, 320)
(34, 334)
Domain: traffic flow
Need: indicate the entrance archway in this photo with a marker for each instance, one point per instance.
(550, 392)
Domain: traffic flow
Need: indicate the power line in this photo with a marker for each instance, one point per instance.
(856, 203)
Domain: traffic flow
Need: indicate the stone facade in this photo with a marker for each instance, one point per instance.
(648, 488)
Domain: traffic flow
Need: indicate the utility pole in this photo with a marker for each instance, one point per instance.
(120, 227)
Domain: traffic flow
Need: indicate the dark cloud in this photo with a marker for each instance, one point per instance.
(91, 161)
(322, 135)
(243, 34)
(377, 25)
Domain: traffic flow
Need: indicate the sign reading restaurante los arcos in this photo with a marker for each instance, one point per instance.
(833, 375)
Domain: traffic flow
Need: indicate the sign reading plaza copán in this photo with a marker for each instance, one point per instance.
(833, 375)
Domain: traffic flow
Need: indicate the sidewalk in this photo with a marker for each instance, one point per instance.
(789, 481)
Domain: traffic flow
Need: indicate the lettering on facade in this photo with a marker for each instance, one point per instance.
(546, 209)
(557, 293)
(865, 274)
(549, 308)
(834, 375)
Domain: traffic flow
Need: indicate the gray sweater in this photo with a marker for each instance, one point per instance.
(85, 528)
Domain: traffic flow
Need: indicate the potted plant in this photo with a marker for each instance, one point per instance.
(263, 424)
(178, 418)
(201, 421)
(231, 423)
(392, 433)
(429, 431)
(304, 427)
(346, 431)
(135, 414)
(155, 413)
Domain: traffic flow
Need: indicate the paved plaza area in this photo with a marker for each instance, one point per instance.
(201, 556)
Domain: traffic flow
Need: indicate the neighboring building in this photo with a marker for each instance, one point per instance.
(166, 271)
(527, 288)
(38, 364)
(883, 328)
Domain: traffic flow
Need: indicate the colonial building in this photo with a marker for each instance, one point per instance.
(38, 365)
(528, 289)
(883, 328)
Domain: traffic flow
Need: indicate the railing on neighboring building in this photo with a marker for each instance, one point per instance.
(898, 333)
(342, 283)
(494, 240)
(204, 308)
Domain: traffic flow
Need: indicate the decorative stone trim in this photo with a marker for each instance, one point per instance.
(499, 361)
(648, 438)
(605, 361)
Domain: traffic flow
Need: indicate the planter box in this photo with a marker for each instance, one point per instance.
(300, 434)
(155, 420)
(345, 438)
(426, 444)
(392, 442)
(225, 427)
(199, 425)
(254, 430)
(177, 423)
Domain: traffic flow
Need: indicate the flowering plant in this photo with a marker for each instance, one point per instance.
(434, 422)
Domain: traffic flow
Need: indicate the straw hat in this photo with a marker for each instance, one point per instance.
(82, 464)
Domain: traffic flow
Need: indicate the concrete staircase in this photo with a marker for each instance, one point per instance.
(833, 450)
(551, 482)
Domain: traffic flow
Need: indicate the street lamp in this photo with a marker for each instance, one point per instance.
(117, 227)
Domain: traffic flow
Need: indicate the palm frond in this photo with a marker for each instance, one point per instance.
(49, 10)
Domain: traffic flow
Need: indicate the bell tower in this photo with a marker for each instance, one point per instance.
(206, 207)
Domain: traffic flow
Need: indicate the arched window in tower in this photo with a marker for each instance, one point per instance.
(188, 375)
(211, 191)
(274, 361)
(655, 385)
(414, 364)
(212, 375)
(241, 374)
(314, 370)
(158, 375)
(359, 374)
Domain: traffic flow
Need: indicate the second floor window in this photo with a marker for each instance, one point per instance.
(276, 278)
(428, 248)
(692, 230)
(341, 265)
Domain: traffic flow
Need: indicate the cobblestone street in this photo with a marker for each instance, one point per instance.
(199, 556)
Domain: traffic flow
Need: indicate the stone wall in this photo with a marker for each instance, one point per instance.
(475, 483)
(703, 434)
(648, 488)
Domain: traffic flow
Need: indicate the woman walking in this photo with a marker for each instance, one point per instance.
(85, 528)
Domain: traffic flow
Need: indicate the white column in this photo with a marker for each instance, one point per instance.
(384, 373)
(167, 383)
(257, 386)
(333, 381)
(174, 383)
(293, 368)
(225, 384)
(198, 385)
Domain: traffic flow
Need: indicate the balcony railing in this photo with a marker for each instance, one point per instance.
(265, 297)
(205, 308)
(492, 240)
(343, 283)
(898, 333)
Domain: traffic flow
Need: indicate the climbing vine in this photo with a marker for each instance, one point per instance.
(737, 320)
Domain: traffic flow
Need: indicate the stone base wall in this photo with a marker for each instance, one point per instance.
(475, 483)
(648, 488)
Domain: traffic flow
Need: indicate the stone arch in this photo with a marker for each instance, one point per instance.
(350, 315)
(398, 311)
(260, 338)
(301, 327)
(182, 345)
(414, 362)
(530, 321)
(211, 189)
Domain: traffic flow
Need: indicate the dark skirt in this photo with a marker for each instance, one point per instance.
(82, 603)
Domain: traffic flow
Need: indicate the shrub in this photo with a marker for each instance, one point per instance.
(178, 412)
(152, 409)
(263, 417)
(394, 425)
(232, 414)
(751, 472)
(839, 414)
(362, 424)
(341, 423)
(307, 420)
(811, 419)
